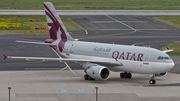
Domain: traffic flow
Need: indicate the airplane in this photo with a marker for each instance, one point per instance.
(98, 59)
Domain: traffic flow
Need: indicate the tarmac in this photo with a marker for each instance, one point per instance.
(47, 81)
(56, 85)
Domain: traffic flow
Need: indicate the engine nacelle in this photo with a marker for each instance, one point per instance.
(98, 72)
(161, 74)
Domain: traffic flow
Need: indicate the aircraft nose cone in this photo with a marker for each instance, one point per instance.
(170, 65)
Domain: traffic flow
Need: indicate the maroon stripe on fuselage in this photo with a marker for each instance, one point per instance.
(55, 26)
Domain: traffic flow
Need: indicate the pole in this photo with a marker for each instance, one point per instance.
(96, 93)
(9, 92)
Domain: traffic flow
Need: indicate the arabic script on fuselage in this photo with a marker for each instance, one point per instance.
(101, 49)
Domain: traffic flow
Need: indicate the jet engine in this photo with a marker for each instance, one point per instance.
(161, 74)
(98, 72)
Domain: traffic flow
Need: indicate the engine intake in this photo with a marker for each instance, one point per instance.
(98, 72)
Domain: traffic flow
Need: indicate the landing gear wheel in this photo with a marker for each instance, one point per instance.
(92, 79)
(125, 75)
(122, 75)
(86, 77)
(152, 81)
(129, 75)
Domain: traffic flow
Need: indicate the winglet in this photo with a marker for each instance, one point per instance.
(167, 50)
(167, 47)
(4, 56)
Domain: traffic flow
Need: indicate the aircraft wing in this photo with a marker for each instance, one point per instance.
(97, 61)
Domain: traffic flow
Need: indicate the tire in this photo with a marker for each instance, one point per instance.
(129, 75)
(152, 81)
(122, 75)
(125, 75)
(86, 77)
(91, 79)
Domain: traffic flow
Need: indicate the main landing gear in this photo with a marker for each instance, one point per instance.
(152, 80)
(86, 77)
(125, 75)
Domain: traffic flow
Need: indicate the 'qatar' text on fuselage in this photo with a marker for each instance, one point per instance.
(127, 56)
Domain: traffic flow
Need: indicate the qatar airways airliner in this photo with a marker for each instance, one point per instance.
(98, 59)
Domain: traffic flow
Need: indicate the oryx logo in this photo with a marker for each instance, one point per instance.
(55, 28)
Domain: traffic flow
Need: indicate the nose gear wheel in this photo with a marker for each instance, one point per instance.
(152, 80)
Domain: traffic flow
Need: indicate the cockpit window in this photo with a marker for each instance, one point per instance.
(161, 58)
(167, 58)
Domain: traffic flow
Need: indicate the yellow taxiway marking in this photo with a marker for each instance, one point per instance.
(121, 22)
(67, 66)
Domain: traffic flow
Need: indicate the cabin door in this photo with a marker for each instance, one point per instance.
(146, 58)
(144, 65)
(68, 49)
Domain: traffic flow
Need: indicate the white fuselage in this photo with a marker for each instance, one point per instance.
(135, 59)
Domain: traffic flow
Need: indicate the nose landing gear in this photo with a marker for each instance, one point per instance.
(152, 80)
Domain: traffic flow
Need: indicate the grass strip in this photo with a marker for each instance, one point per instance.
(171, 20)
(93, 4)
(174, 46)
(22, 22)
